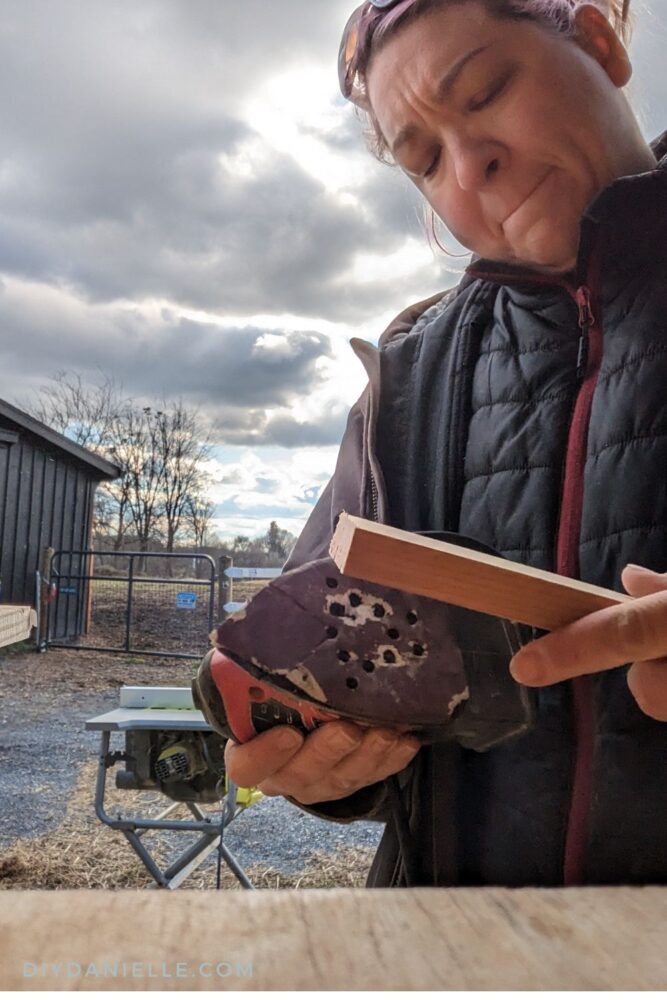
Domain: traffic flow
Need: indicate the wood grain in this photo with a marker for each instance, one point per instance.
(416, 565)
(432, 939)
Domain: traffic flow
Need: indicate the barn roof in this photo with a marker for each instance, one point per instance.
(101, 468)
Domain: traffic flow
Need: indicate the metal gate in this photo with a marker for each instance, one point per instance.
(150, 603)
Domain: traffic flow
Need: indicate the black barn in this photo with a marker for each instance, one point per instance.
(47, 489)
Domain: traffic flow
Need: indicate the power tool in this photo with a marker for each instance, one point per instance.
(315, 645)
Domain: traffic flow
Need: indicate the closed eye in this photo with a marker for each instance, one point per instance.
(496, 90)
(433, 166)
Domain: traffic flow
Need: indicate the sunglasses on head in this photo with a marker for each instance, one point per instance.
(355, 34)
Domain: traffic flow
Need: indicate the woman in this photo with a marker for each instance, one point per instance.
(527, 409)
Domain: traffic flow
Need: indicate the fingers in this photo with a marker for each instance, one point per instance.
(648, 686)
(634, 630)
(647, 680)
(324, 749)
(334, 761)
(640, 582)
(382, 753)
(249, 764)
(326, 768)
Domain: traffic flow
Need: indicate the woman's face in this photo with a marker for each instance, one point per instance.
(508, 129)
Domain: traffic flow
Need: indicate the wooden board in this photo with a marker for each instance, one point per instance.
(455, 575)
(16, 623)
(429, 939)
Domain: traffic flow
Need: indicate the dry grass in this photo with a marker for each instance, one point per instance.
(83, 854)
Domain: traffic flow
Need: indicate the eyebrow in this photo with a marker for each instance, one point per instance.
(442, 92)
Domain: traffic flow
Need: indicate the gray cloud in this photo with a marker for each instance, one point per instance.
(255, 427)
(110, 174)
(234, 375)
(232, 366)
(212, 366)
(119, 123)
(187, 230)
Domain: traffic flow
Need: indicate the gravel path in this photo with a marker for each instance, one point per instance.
(44, 703)
(43, 745)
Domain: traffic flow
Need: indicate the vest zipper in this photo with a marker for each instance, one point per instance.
(374, 499)
(589, 357)
(586, 320)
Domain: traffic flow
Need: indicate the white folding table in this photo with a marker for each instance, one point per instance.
(142, 709)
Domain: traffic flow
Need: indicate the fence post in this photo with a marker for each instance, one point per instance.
(45, 591)
(225, 588)
(88, 584)
(128, 620)
(38, 608)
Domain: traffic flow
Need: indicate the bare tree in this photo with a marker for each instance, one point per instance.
(159, 451)
(241, 545)
(199, 514)
(91, 414)
(84, 411)
(278, 541)
(182, 446)
(135, 448)
(112, 498)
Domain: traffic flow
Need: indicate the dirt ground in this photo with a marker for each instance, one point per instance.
(23, 671)
(49, 834)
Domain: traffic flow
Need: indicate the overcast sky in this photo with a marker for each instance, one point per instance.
(186, 204)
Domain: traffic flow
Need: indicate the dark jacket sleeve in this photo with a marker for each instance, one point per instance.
(347, 491)
(344, 492)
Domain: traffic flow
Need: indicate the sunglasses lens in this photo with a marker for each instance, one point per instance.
(349, 44)
(348, 49)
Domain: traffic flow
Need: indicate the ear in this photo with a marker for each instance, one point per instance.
(595, 35)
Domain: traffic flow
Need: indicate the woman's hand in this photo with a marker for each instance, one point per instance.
(332, 762)
(634, 632)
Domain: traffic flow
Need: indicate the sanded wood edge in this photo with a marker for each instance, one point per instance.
(430, 568)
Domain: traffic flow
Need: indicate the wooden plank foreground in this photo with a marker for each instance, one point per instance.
(432, 939)
(455, 575)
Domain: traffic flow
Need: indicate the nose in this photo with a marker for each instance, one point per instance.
(476, 162)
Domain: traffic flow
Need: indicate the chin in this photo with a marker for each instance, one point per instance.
(545, 262)
(549, 244)
(553, 266)
(552, 258)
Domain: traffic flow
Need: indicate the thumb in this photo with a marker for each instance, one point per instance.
(640, 582)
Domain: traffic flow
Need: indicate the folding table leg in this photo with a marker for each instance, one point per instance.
(147, 858)
(190, 860)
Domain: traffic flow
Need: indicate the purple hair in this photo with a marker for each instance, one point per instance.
(377, 26)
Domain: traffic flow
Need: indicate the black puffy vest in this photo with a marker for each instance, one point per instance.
(533, 416)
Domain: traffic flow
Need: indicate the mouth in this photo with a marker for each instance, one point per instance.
(526, 199)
